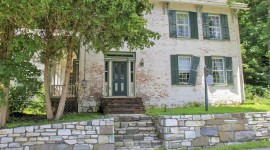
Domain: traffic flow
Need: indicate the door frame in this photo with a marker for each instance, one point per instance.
(128, 57)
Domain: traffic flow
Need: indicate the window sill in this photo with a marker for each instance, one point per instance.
(183, 85)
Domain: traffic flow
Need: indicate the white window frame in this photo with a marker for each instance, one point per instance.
(184, 70)
(215, 27)
(184, 25)
(223, 70)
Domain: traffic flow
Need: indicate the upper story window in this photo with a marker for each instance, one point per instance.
(221, 69)
(215, 26)
(183, 24)
(184, 69)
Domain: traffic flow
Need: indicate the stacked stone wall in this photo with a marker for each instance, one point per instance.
(185, 131)
(95, 134)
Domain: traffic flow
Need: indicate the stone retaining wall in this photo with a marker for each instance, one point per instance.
(184, 131)
(175, 132)
(95, 134)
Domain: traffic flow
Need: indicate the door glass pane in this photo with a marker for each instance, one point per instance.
(116, 87)
(122, 71)
(122, 87)
(116, 71)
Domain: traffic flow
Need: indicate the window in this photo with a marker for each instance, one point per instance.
(106, 71)
(215, 26)
(131, 71)
(218, 70)
(184, 69)
(183, 24)
(221, 69)
(184, 64)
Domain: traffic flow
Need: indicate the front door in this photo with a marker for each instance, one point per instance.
(119, 79)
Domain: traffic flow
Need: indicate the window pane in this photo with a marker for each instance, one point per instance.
(214, 26)
(182, 24)
(184, 65)
(218, 64)
(218, 76)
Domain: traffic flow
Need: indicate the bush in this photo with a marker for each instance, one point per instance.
(252, 92)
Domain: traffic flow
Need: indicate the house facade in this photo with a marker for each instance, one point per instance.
(197, 36)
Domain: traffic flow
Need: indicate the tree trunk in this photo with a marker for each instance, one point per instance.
(4, 108)
(63, 98)
(49, 111)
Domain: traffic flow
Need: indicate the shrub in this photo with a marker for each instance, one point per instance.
(252, 92)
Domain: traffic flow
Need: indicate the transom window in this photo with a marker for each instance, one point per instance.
(218, 70)
(182, 24)
(184, 64)
(214, 26)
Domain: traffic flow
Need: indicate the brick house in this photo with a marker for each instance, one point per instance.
(195, 34)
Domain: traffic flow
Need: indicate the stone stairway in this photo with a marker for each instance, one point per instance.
(135, 132)
(122, 105)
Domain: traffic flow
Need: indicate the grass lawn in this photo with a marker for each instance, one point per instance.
(248, 145)
(249, 106)
(27, 120)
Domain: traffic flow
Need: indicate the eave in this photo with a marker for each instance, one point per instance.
(210, 3)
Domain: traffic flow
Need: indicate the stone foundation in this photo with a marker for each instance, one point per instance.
(89, 104)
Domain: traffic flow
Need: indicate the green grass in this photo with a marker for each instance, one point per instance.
(248, 145)
(249, 106)
(41, 119)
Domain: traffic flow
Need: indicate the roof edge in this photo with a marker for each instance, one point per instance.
(210, 3)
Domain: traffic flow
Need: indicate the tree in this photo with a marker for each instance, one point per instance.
(255, 35)
(103, 25)
(17, 46)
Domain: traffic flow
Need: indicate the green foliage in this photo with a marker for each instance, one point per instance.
(255, 92)
(255, 35)
(29, 120)
(255, 106)
(193, 104)
(37, 106)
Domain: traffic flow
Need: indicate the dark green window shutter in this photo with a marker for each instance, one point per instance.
(206, 31)
(174, 70)
(193, 25)
(172, 23)
(208, 63)
(224, 27)
(193, 70)
(229, 72)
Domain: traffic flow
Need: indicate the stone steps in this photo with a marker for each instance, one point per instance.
(122, 105)
(135, 132)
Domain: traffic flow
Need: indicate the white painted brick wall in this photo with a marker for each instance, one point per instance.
(153, 81)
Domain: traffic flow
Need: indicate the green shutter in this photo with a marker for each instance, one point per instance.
(229, 72)
(172, 23)
(193, 70)
(224, 27)
(206, 30)
(193, 25)
(174, 70)
(208, 63)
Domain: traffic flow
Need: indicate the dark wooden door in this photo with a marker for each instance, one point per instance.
(119, 79)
